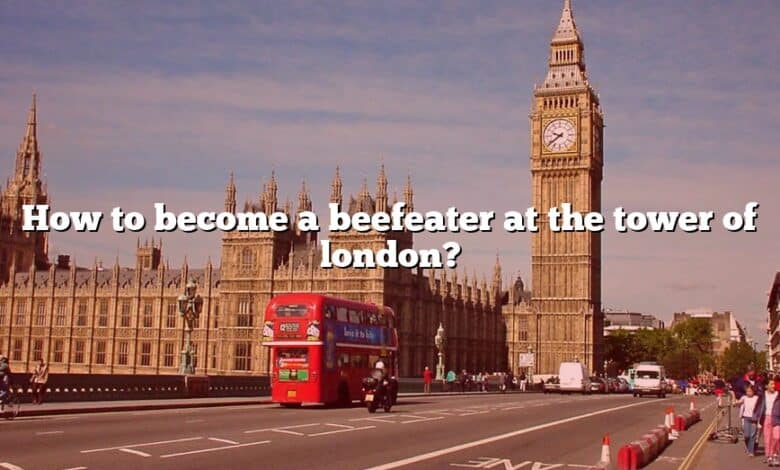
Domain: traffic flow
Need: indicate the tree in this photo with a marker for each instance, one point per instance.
(736, 359)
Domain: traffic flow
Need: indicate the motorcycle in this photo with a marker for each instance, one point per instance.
(377, 392)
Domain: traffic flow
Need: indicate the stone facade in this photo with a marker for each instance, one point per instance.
(725, 327)
(773, 323)
(124, 320)
(563, 319)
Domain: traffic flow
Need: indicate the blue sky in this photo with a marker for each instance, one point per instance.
(141, 102)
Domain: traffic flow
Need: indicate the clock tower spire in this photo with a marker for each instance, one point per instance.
(566, 167)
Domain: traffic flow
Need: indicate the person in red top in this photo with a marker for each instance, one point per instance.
(427, 379)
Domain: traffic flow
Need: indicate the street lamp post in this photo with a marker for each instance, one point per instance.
(190, 306)
(439, 341)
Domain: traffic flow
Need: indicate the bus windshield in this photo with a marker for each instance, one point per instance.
(291, 311)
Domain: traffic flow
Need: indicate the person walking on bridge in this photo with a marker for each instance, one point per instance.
(427, 379)
(38, 381)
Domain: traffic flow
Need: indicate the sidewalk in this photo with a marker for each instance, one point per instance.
(60, 408)
(725, 455)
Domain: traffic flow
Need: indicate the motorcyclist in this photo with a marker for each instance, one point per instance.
(5, 377)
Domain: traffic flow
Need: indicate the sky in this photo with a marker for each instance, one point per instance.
(141, 102)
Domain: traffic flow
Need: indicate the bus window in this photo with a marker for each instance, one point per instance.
(359, 361)
(372, 318)
(344, 360)
(354, 316)
(341, 314)
(330, 312)
(291, 311)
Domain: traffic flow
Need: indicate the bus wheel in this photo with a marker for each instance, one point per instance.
(343, 395)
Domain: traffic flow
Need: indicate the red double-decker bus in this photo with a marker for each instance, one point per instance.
(322, 347)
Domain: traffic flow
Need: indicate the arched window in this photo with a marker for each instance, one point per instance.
(247, 258)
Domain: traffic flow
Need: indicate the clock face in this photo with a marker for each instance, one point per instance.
(559, 135)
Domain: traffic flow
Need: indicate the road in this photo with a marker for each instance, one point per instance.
(429, 432)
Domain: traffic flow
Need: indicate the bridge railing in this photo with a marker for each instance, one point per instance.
(99, 387)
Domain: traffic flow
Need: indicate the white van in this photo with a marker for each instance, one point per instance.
(574, 378)
(650, 380)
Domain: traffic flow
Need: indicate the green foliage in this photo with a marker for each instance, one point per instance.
(685, 350)
(738, 356)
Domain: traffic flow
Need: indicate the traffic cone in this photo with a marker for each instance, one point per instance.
(673, 434)
(606, 459)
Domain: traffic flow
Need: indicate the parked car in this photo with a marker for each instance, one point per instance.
(552, 385)
(623, 386)
(598, 385)
(613, 386)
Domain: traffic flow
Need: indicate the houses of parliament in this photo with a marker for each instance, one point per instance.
(124, 320)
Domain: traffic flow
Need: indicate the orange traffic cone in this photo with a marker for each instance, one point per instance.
(606, 459)
(669, 422)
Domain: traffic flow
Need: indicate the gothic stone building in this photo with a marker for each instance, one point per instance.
(124, 320)
(562, 321)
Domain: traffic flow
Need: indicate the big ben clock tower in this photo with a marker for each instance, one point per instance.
(566, 166)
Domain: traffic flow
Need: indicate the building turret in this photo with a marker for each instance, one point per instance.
(381, 190)
(230, 195)
(335, 188)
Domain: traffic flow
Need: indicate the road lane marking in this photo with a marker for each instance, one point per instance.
(498, 437)
(388, 419)
(226, 441)
(10, 466)
(420, 418)
(136, 452)
(213, 449)
(190, 421)
(287, 431)
(76, 468)
(345, 426)
(283, 427)
(46, 433)
(143, 444)
(325, 433)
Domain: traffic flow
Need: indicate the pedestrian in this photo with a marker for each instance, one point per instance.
(5, 378)
(450, 380)
(479, 382)
(749, 413)
(38, 381)
(773, 455)
(464, 377)
(770, 443)
(427, 379)
(485, 379)
(522, 381)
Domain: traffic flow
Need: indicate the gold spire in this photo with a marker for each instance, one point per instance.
(28, 158)
(567, 29)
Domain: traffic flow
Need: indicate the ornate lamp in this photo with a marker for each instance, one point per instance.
(190, 307)
(439, 342)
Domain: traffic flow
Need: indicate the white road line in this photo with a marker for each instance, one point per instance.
(188, 421)
(45, 433)
(389, 419)
(344, 426)
(10, 466)
(340, 430)
(213, 449)
(287, 431)
(76, 468)
(226, 441)
(498, 437)
(136, 452)
(283, 427)
(422, 419)
(142, 444)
